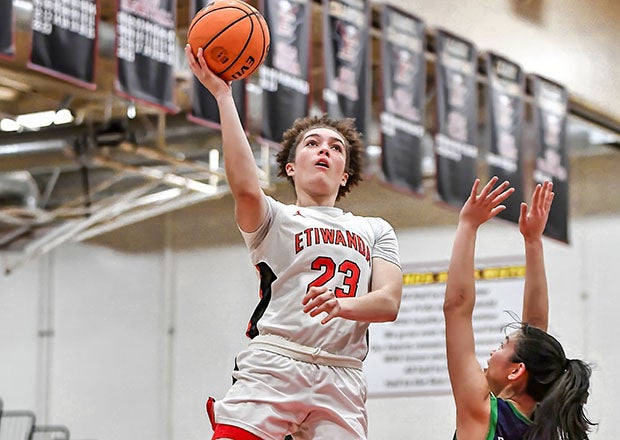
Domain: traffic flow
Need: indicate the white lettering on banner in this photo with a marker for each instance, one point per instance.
(286, 57)
(552, 107)
(501, 85)
(390, 123)
(504, 114)
(150, 10)
(458, 89)
(407, 356)
(550, 92)
(350, 43)
(285, 24)
(506, 70)
(550, 167)
(456, 125)
(406, 67)
(355, 15)
(401, 104)
(505, 163)
(270, 78)
(504, 109)
(552, 127)
(139, 36)
(446, 147)
(329, 96)
(345, 83)
(402, 22)
(456, 48)
(457, 64)
(398, 38)
(77, 16)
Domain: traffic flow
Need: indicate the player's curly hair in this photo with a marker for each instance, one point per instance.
(346, 127)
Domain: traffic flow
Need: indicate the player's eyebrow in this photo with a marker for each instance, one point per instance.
(317, 135)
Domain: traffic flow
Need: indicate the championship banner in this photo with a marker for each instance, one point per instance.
(7, 49)
(456, 139)
(505, 109)
(403, 75)
(146, 51)
(346, 49)
(204, 107)
(550, 111)
(284, 76)
(64, 40)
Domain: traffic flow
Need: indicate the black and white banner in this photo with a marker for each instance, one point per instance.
(346, 51)
(403, 80)
(285, 74)
(146, 50)
(7, 48)
(550, 111)
(456, 139)
(64, 40)
(204, 107)
(505, 112)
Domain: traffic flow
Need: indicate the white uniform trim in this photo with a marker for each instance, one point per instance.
(313, 355)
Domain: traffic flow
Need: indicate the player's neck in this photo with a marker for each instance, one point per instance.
(524, 403)
(305, 199)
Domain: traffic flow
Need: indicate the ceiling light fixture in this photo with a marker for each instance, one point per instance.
(8, 124)
(131, 110)
(35, 121)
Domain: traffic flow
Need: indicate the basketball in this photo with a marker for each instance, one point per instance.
(233, 35)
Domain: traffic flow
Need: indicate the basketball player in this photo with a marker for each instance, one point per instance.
(530, 390)
(324, 276)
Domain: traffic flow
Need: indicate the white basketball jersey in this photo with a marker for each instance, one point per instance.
(298, 247)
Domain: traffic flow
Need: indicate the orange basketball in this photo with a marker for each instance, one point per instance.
(233, 35)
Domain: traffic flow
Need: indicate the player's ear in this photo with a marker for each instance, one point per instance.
(290, 169)
(345, 178)
(518, 371)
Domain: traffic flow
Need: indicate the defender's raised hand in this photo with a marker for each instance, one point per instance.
(532, 221)
(480, 208)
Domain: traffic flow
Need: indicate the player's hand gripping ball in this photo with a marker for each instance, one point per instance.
(233, 35)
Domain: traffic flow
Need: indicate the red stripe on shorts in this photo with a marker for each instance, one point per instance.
(234, 432)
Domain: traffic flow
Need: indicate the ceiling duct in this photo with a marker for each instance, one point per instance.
(18, 189)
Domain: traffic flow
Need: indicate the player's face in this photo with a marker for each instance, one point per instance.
(500, 364)
(320, 161)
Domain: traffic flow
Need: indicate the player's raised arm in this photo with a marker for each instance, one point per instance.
(532, 224)
(241, 169)
(469, 385)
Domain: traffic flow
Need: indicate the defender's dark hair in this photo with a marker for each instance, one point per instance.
(353, 144)
(559, 385)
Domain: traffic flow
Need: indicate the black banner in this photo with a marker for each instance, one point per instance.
(346, 49)
(7, 49)
(456, 139)
(505, 112)
(204, 107)
(146, 51)
(403, 75)
(284, 76)
(64, 40)
(550, 111)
